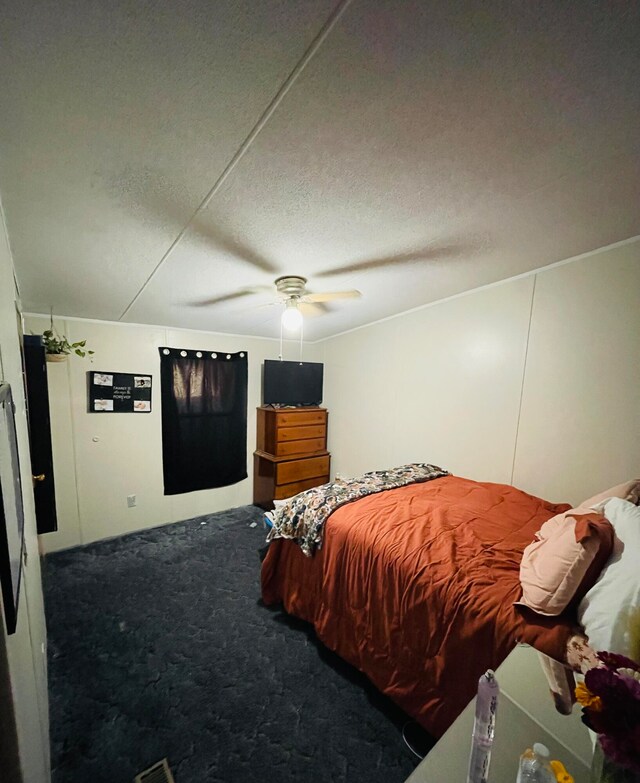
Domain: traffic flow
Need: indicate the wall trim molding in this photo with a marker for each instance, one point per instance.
(523, 380)
(164, 327)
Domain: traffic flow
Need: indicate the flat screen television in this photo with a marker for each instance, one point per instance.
(292, 383)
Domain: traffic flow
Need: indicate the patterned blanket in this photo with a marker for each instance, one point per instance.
(302, 518)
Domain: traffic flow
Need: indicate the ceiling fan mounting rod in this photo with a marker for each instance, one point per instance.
(291, 286)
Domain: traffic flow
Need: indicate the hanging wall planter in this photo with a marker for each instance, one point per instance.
(56, 357)
(57, 348)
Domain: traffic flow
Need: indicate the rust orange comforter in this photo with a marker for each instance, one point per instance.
(415, 587)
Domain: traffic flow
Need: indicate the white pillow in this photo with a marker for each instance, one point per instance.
(611, 608)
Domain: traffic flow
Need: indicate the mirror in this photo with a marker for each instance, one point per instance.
(11, 510)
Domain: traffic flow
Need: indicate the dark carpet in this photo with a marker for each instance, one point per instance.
(160, 646)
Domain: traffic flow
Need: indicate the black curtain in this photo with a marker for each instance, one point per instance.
(204, 419)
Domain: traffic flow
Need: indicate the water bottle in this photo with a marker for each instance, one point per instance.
(534, 766)
(484, 726)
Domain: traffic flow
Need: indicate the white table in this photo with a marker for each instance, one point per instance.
(525, 715)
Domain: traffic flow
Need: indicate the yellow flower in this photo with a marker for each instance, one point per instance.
(587, 699)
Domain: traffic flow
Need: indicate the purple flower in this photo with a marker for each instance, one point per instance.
(614, 690)
(623, 751)
(615, 661)
(617, 717)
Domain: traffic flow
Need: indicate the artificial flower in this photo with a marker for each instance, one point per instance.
(587, 699)
(610, 700)
(616, 661)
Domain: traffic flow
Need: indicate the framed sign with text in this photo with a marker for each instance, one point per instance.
(119, 392)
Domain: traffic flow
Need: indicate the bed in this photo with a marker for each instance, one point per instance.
(415, 586)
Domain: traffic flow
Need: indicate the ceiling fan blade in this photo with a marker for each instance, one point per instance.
(142, 189)
(432, 252)
(331, 296)
(311, 309)
(258, 306)
(231, 244)
(230, 297)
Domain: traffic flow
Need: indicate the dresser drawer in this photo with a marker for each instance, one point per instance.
(288, 490)
(301, 433)
(300, 469)
(297, 418)
(311, 446)
(291, 453)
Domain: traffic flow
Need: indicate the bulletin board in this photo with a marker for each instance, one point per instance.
(118, 392)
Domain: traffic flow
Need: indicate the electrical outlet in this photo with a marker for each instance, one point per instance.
(131, 501)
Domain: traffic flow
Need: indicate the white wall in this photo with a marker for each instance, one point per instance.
(440, 384)
(580, 423)
(533, 381)
(93, 478)
(25, 650)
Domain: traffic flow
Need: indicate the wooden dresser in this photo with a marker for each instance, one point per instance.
(291, 453)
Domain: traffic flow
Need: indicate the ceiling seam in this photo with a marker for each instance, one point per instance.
(249, 139)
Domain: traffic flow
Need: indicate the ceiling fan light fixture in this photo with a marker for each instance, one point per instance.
(291, 317)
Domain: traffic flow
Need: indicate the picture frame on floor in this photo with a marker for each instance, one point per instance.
(11, 510)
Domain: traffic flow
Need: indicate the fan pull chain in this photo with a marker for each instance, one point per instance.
(280, 356)
(301, 333)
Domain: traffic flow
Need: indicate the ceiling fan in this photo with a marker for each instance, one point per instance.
(291, 291)
(299, 302)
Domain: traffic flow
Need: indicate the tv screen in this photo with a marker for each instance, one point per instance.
(292, 383)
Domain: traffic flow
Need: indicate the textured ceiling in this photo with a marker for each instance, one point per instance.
(154, 154)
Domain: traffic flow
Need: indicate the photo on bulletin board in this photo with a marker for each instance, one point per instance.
(118, 392)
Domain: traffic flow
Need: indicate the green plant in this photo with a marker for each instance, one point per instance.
(54, 343)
